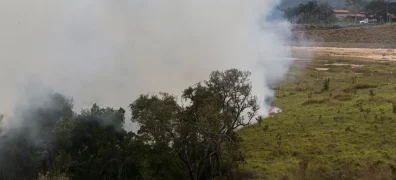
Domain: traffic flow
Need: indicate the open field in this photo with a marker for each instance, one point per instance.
(344, 129)
(368, 34)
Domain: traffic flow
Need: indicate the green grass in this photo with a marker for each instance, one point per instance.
(341, 133)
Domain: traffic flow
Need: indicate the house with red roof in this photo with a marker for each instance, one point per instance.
(345, 15)
(341, 14)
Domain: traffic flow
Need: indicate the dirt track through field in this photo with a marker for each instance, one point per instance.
(345, 53)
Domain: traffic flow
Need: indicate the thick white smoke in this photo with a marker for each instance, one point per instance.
(110, 51)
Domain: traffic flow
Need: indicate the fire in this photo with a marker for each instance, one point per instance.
(274, 110)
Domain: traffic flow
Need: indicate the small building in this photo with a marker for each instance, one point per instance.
(392, 18)
(340, 14)
(355, 17)
(345, 15)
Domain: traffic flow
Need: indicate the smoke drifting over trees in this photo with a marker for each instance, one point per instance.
(109, 52)
(193, 141)
(106, 53)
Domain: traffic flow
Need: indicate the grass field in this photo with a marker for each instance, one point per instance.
(345, 132)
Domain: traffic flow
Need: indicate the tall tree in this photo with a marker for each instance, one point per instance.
(355, 6)
(381, 9)
(192, 141)
(377, 8)
(93, 145)
(200, 135)
(311, 12)
(27, 144)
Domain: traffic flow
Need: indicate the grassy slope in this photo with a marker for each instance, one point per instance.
(343, 133)
(368, 34)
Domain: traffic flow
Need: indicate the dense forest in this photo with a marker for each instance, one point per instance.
(196, 140)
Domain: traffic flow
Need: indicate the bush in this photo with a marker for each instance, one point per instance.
(351, 90)
(343, 97)
(47, 176)
(365, 86)
(316, 101)
(326, 84)
(394, 106)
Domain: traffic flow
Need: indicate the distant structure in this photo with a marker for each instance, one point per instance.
(341, 14)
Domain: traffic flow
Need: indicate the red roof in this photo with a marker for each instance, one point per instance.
(341, 11)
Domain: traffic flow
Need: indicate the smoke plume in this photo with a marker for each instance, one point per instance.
(108, 52)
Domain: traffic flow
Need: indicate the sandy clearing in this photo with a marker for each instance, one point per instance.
(322, 69)
(359, 53)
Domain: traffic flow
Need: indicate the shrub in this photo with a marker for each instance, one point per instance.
(354, 79)
(326, 84)
(316, 101)
(365, 86)
(265, 128)
(309, 95)
(48, 176)
(394, 106)
(259, 120)
(371, 93)
(343, 97)
(351, 90)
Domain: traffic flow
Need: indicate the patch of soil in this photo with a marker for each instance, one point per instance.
(368, 34)
(322, 69)
(358, 53)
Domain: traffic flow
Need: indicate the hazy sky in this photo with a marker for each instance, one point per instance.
(108, 52)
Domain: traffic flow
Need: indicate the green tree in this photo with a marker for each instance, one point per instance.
(89, 144)
(380, 9)
(355, 6)
(93, 145)
(27, 145)
(200, 135)
(356, 3)
(377, 8)
(311, 12)
(196, 141)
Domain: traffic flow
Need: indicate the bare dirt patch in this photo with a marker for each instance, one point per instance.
(355, 53)
(368, 34)
(322, 69)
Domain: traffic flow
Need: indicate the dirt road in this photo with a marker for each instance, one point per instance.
(345, 53)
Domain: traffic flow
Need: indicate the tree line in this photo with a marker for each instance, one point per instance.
(380, 9)
(313, 12)
(192, 140)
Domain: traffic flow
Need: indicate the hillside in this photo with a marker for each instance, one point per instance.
(365, 34)
(346, 132)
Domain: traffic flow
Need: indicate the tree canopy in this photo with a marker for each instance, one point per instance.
(310, 12)
(201, 134)
(355, 6)
(194, 139)
(380, 9)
